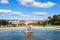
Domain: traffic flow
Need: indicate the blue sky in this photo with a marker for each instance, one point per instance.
(28, 9)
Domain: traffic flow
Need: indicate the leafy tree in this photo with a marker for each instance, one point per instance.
(3, 22)
(49, 20)
(55, 20)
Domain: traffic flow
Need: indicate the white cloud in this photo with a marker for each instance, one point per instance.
(10, 12)
(33, 3)
(17, 13)
(40, 13)
(4, 1)
(25, 15)
(5, 11)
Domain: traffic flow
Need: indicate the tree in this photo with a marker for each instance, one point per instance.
(49, 20)
(3, 22)
(55, 20)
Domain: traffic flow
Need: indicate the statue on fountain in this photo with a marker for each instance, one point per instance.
(28, 28)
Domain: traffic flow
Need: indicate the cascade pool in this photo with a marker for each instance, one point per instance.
(36, 34)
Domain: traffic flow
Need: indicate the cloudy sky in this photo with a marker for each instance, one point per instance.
(28, 9)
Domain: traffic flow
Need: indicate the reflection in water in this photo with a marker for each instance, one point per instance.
(36, 34)
(28, 35)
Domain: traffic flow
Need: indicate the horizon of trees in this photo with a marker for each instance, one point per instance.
(55, 20)
(4, 22)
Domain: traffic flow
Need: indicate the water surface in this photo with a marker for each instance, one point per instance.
(37, 34)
